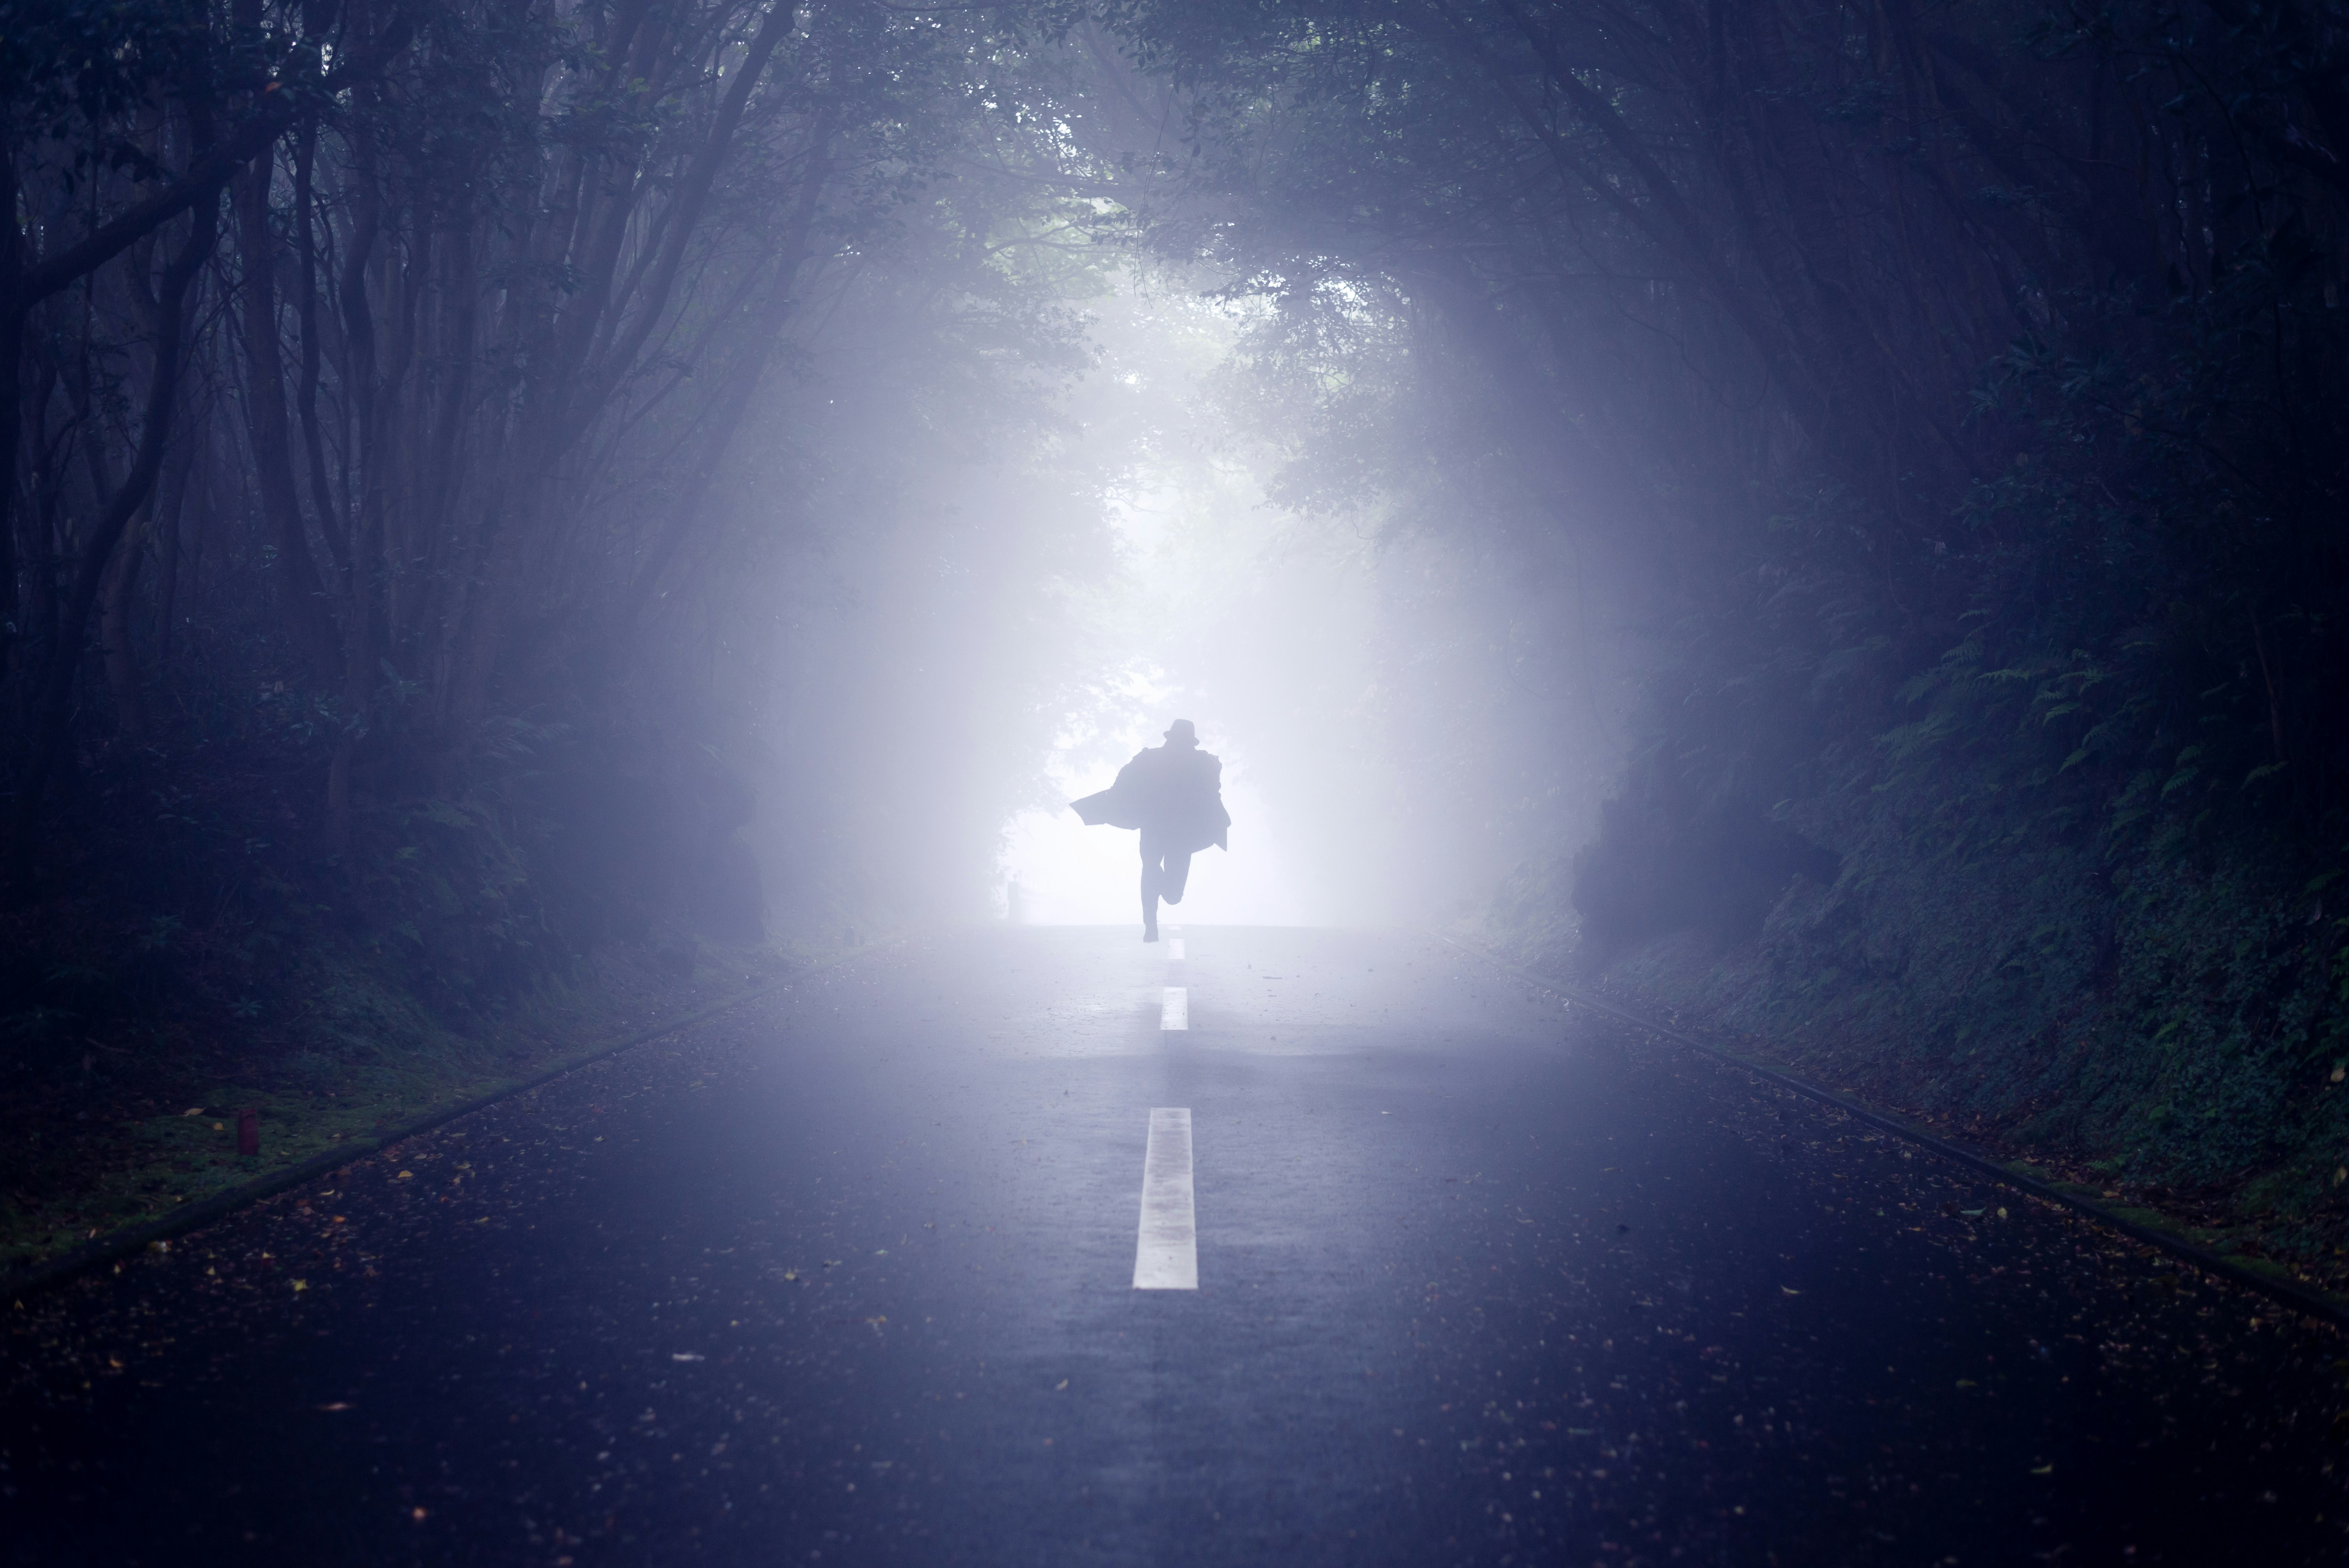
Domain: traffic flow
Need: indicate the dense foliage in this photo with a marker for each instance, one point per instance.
(1860, 334)
(1943, 404)
(428, 424)
(1864, 475)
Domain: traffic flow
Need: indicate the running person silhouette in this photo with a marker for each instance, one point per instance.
(1174, 794)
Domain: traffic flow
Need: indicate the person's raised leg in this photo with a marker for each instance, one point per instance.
(1174, 876)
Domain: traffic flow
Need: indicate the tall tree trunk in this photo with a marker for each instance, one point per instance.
(323, 500)
(302, 597)
(170, 523)
(12, 413)
(359, 556)
(117, 600)
(564, 407)
(52, 735)
(38, 531)
(736, 391)
(417, 592)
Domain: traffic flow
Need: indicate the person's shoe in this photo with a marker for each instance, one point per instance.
(1150, 932)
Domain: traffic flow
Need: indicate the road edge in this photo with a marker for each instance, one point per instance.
(2305, 1300)
(130, 1239)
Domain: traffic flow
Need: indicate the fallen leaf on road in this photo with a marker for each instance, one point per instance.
(2043, 1469)
(1790, 1290)
(301, 1284)
(338, 1405)
(1062, 1384)
(683, 1355)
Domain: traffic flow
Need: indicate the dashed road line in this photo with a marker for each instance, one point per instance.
(1174, 1012)
(1166, 1253)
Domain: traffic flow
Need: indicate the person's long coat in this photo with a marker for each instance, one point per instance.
(1175, 793)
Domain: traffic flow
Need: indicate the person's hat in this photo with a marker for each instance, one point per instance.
(1183, 733)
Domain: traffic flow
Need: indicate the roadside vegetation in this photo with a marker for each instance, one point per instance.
(1860, 488)
(1898, 448)
(445, 445)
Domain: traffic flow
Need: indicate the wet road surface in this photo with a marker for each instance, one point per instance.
(848, 1276)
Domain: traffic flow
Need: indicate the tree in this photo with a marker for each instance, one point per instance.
(1839, 339)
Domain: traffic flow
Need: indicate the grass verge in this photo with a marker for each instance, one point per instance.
(2227, 1249)
(164, 1162)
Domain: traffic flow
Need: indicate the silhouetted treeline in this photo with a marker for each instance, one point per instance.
(1902, 445)
(1979, 367)
(1852, 394)
(421, 423)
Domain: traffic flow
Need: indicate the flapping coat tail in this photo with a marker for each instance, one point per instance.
(1175, 791)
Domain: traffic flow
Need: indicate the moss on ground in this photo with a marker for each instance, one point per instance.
(366, 1058)
(2161, 1026)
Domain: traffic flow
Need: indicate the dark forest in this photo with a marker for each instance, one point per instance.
(1819, 520)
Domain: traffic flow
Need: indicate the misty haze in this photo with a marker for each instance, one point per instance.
(1161, 781)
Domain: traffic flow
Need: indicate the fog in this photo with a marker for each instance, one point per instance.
(1218, 606)
(986, 623)
(528, 530)
(763, 518)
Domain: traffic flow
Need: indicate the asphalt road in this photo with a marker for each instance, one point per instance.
(847, 1277)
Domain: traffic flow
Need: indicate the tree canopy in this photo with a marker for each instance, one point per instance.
(1969, 370)
(1841, 387)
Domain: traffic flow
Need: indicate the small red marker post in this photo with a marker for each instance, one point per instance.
(248, 1132)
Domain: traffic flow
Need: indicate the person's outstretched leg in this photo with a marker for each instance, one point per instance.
(1150, 859)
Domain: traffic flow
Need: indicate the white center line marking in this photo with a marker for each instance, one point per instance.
(1166, 1255)
(1174, 951)
(1175, 1013)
